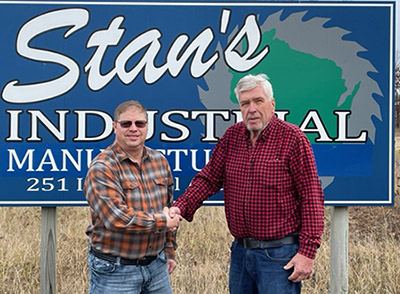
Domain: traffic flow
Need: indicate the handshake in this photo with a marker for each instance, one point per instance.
(174, 217)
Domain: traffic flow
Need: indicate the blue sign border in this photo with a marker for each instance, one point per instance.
(364, 161)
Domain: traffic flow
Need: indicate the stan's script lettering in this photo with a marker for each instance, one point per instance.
(147, 43)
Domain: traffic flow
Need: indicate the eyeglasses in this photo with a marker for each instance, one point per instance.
(127, 123)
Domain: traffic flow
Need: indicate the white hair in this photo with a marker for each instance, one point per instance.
(250, 81)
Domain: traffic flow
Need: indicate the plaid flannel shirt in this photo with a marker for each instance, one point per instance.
(126, 202)
(270, 190)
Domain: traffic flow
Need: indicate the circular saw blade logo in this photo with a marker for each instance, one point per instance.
(310, 67)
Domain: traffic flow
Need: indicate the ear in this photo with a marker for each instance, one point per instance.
(114, 124)
(273, 103)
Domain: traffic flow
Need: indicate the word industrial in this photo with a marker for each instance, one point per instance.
(312, 123)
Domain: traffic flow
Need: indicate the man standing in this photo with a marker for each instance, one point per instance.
(273, 197)
(129, 189)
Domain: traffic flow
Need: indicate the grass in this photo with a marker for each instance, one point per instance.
(203, 255)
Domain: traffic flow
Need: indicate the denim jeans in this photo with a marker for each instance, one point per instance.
(261, 271)
(108, 278)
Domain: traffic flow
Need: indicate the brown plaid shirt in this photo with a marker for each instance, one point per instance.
(126, 203)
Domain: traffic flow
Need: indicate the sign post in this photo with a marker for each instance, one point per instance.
(48, 248)
(339, 250)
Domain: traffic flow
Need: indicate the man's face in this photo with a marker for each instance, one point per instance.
(256, 109)
(133, 137)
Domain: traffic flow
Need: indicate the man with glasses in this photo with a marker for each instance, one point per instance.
(129, 189)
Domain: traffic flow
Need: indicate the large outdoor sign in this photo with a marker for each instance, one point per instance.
(65, 66)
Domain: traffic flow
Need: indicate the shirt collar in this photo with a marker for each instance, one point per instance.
(272, 123)
(122, 155)
(265, 132)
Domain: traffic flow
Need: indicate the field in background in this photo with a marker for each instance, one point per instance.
(203, 256)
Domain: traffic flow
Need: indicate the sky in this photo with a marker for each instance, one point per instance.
(397, 25)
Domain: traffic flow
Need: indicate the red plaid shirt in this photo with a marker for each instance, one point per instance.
(271, 189)
(126, 203)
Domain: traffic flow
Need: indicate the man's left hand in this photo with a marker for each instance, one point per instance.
(171, 264)
(303, 267)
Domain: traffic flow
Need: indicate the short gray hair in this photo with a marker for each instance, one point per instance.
(250, 81)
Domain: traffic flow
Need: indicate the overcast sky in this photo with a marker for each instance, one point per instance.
(397, 25)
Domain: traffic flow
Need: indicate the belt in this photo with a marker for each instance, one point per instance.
(125, 261)
(251, 243)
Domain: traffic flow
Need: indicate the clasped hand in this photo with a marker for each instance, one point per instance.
(173, 215)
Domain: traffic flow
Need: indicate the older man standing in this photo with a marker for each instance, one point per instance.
(273, 197)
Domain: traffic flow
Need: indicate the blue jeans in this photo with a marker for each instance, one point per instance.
(108, 278)
(261, 271)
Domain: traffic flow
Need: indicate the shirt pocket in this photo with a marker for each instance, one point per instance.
(133, 195)
(160, 189)
(274, 176)
(163, 181)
